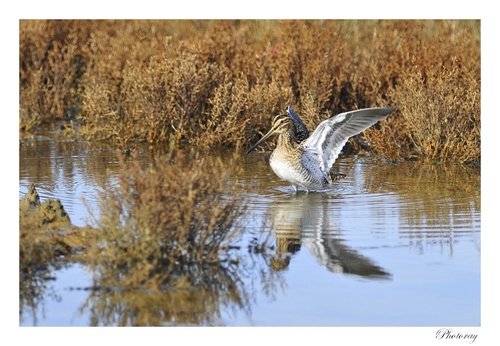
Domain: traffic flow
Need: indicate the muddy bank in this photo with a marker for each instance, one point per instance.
(46, 234)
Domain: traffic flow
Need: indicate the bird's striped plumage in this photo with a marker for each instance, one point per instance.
(306, 160)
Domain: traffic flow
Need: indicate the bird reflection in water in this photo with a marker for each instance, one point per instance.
(308, 219)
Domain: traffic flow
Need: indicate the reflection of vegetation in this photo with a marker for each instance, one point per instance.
(164, 219)
(46, 237)
(166, 252)
(199, 298)
(168, 246)
(34, 287)
(458, 185)
(206, 291)
(198, 303)
(194, 286)
(214, 83)
(433, 198)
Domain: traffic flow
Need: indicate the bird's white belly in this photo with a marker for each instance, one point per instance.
(285, 171)
(290, 173)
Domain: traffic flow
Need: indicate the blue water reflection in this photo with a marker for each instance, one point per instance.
(387, 246)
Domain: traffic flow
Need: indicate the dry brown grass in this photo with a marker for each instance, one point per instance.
(165, 223)
(437, 98)
(166, 249)
(218, 83)
(45, 233)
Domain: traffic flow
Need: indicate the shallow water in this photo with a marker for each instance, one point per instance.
(389, 245)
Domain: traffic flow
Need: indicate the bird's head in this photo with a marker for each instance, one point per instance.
(281, 124)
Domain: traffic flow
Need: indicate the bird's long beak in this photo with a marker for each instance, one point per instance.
(274, 128)
(266, 136)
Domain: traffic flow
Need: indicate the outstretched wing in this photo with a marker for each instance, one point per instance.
(328, 139)
(299, 129)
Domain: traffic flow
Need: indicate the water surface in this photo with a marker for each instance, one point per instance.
(389, 245)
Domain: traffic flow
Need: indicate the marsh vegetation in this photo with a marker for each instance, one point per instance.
(218, 83)
(382, 228)
(170, 229)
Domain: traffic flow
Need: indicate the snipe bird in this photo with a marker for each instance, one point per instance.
(306, 161)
